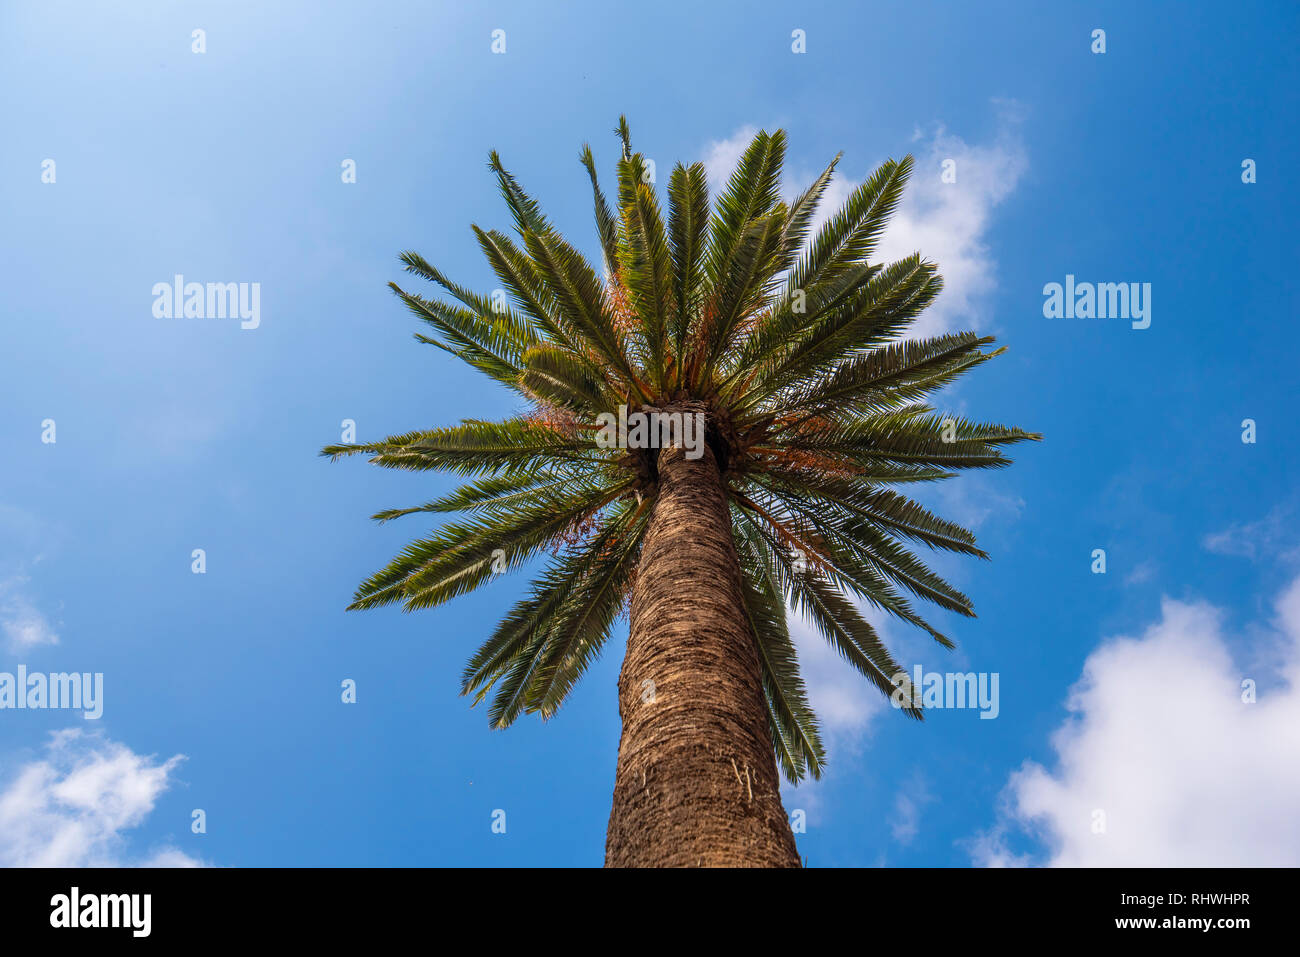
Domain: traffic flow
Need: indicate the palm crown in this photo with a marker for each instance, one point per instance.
(815, 409)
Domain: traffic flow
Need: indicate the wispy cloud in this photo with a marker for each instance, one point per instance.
(24, 626)
(845, 702)
(846, 705)
(1142, 573)
(1165, 762)
(905, 822)
(1267, 537)
(71, 807)
(971, 500)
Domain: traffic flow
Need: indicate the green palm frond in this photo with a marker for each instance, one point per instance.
(688, 225)
(791, 720)
(606, 225)
(645, 266)
(475, 447)
(546, 642)
(464, 555)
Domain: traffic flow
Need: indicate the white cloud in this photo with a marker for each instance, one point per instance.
(945, 222)
(23, 625)
(1142, 573)
(905, 822)
(71, 807)
(721, 157)
(844, 701)
(1266, 537)
(1159, 739)
(847, 705)
(971, 500)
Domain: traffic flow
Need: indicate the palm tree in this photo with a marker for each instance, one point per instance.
(813, 409)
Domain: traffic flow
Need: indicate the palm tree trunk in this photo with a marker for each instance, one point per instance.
(697, 782)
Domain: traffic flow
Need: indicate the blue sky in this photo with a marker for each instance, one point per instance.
(222, 690)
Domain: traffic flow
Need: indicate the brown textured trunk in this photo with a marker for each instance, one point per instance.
(697, 782)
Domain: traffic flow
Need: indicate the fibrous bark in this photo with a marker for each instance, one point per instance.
(697, 782)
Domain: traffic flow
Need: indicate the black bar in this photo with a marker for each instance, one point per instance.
(907, 906)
